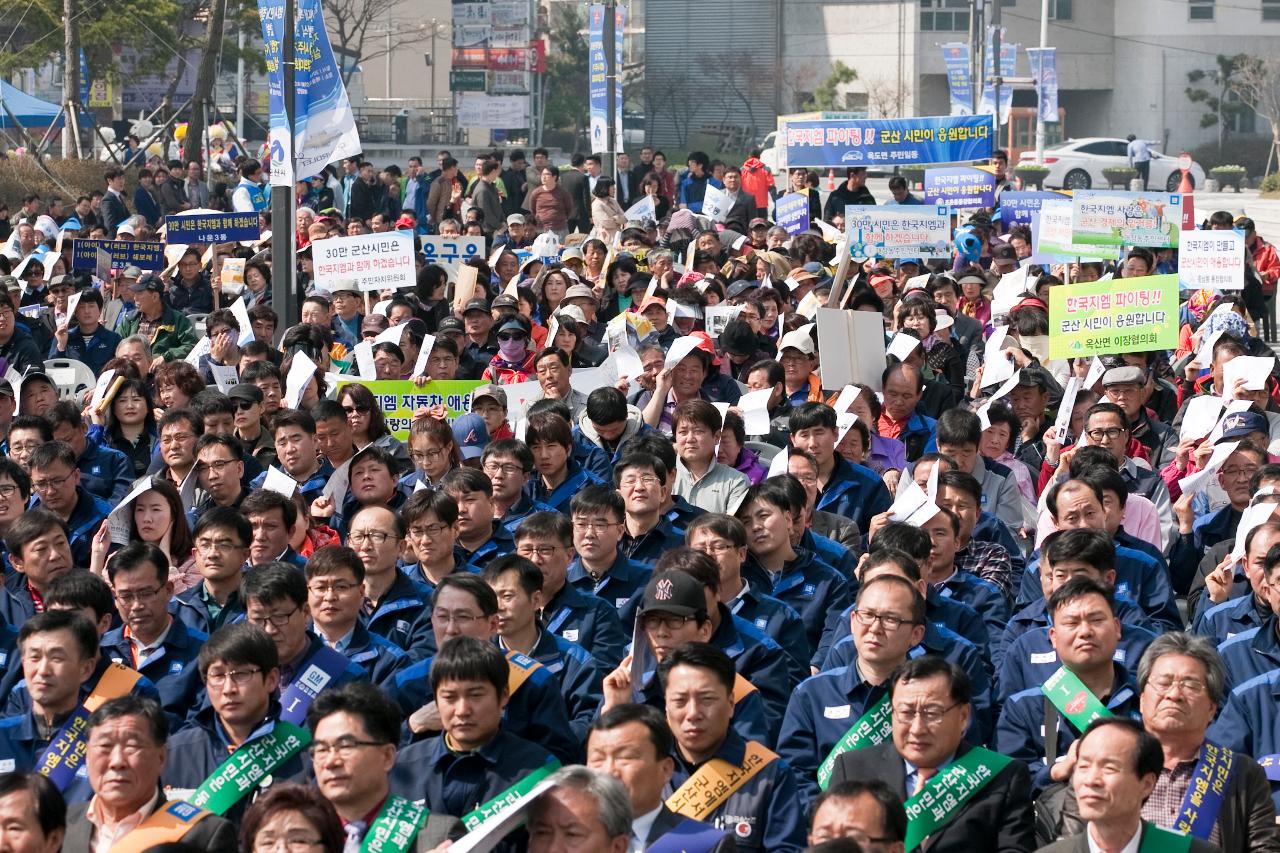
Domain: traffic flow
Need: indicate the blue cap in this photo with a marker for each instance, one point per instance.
(1240, 424)
(902, 261)
(471, 435)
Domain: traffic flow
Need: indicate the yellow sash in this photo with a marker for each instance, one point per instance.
(741, 689)
(520, 667)
(118, 680)
(706, 790)
(167, 824)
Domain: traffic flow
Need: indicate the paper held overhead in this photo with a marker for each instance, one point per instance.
(1254, 370)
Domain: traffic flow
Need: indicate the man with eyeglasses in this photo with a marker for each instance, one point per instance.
(508, 463)
(104, 471)
(1237, 600)
(272, 517)
(546, 539)
(600, 568)
(355, 730)
(372, 483)
(1089, 682)
(335, 599)
(1128, 387)
(978, 800)
(395, 605)
(222, 538)
(56, 482)
(240, 667)
(828, 712)
(465, 606)
(647, 535)
(151, 641)
(430, 518)
(219, 472)
(869, 813)
(125, 759)
(179, 430)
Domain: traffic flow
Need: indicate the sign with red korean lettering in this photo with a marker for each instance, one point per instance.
(373, 261)
(1212, 259)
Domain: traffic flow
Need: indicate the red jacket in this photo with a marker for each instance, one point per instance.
(1267, 263)
(757, 180)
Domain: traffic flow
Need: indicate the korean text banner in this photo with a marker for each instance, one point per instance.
(373, 261)
(324, 128)
(898, 232)
(959, 77)
(1016, 206)
(1212, 259)
(1051, 235)
(211, 227)
(398, 399)
(791, 211)
(1044, 70)
(451, 250)
(143, 254)
(960, 187)
(1114, 218)
(1118, 316)
(597, 82)
(866, 142)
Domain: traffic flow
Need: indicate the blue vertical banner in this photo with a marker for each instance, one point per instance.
(1008, 68)
(619, 25)
(84, 80)
(597, 79)
(959, 77)
(1044, 70)
(324, 128)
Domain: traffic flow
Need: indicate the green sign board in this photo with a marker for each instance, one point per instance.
(398, 399)
(1106, 317)
(468, 80)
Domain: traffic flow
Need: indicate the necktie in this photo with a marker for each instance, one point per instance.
(355, 835)
(922, 777)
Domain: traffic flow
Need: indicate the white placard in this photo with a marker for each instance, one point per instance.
(374, 261)
(1252, 517)
(492, 112)
(716, 317)
(1008, 290)
(902, 346)
(778, 465)
(680, 348)
(302, 372)
(1212, 259)
(364, 360)
(73, 301)
(390, 335)
(1062, 424)
(627, 361)
(997, 364)
(420, 365)
(224, 376)
(848, 394)
(241, 313)
(100, 388)
(120, 520)
(280, 482)
(912, 505)
(755, 411)
(1253, 369)
(1096, 369)
(1201, 416)
(642, 209)
(1193, 483)
(715, 204)
(339, 481)
(201, 348)
(852, 347)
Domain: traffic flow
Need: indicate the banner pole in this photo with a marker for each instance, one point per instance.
(284, 297)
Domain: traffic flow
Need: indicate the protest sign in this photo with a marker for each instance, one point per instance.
(211, 227)
(1114, 218)
(864, 142)
(1120, 316)
(1017, 206)
(373, 261)
(1051, 234)
(1212, 259)
(715, 204)
(897, 232)
(960, 187)
(643, 209)
(791, 211)
(597, 79)
(143, 254)
(451, 249)
(398, 399)
(852, 343)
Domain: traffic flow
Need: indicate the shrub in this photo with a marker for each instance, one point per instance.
(1248, 151)
(1271, 183)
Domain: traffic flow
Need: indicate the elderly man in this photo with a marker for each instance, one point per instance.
(584, 809)
(125, 757)
(1117, 769)
(970, 799)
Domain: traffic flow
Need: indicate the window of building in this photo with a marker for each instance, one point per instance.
(1271, 10)
(944, 15)
(1242, 120)
(1059, 10)
(1202, 10)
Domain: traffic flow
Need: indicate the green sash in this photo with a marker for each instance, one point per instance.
(248, 766)
(395, 827)
(1072, 699)
(873, 727)
(509, 797)
(1157, 840)
(948, 791)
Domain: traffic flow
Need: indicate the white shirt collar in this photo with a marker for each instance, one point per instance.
(642, 825)
(1131, 847)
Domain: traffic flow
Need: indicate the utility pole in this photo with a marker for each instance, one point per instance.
(283, 245)
(610, 78)
(70, 77)
(388, 57)
(977, 68)
(239, 83)
(1044, 42)
(996, 65)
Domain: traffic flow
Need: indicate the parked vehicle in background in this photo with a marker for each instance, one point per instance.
(1077, 164)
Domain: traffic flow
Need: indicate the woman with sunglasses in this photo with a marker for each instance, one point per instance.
(368, 426)
(514, 361)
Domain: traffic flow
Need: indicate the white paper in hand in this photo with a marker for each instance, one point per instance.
(755, 411)
(1200, 417)
(365, 368)
(1220, 427)
(1252, 517)
(997, 364)
(931, 487)
(912, 505)
(1009, 385)
(1062, 425)
(844, 423)
(1193, 483)
(848, 394)
(336, 488)
(224, 376)
(200, 350)
(101, 387)
(280, 482)
(241, 314)
(1253, 369)
(120, 521)
(778, 465)
(680, 348)
(902, 346)
(420, 365)
(73, 301)
(391, 335)
(302, 372)
(1007, 291)
(627, 361)
(1094, 375)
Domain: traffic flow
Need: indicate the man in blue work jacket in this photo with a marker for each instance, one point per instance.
(1222, 621)
(104, 471)
(853, 491)
(599, 515)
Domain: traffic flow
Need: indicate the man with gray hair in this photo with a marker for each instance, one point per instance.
(589, 806)
(1182, 682)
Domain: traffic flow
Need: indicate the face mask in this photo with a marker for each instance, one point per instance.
(512, 350)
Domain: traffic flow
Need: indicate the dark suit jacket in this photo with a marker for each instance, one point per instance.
(741, 213)
(1080, 844)
(438, 829)
(668, 820)
(114, 212)
(997, 819)
(213, 834)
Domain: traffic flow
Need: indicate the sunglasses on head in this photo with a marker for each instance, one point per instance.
(511, 336)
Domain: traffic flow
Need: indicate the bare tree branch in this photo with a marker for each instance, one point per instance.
(1257, 82)
(367, 29)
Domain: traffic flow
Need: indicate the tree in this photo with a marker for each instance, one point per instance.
(1257, 82)
(204, 82)
(367, 29)
(827, 96)
(1216, 99)
(566, 106)
(34, 33)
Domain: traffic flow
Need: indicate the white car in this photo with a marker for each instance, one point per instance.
(1077, 164)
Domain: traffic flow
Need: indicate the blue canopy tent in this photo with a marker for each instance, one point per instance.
(28, 109)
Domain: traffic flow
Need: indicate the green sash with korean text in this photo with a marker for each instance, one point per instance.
(395, 827)
(248, 766)
(1072, 699)
(950, 789)
(873, 727)
(509, 797)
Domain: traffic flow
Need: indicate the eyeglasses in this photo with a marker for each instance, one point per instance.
(130, 598)
(351, 410)
(462, 620)
(510, 470)
(716, 547)
(239, 676)
(670, 621)
(428, 531)
(208, 545)
(275, 620)
(1106, 434)
(648, 481)
(344, 747)
(245, 405)
(511, 336)
(7, 492)
(593, 526)
(538, 550)
(1164, 685)
(890, 621)
(217, 466)
(427, 456)
(929, 716)
(373, 537)
(293, 844)
(339, 587)
(1242, 473)
(50, 483)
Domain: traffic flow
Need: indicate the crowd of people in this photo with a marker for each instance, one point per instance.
(707, 603)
